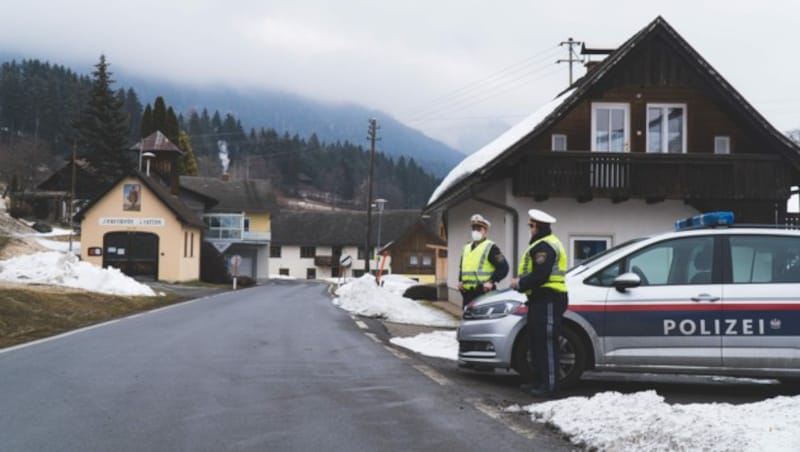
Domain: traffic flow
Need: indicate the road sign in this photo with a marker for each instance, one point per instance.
(235, 261)
(345, 260)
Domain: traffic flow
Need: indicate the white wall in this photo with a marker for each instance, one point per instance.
(600, 217)
(290, 258)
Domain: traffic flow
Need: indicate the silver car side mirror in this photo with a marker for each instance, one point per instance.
(626, 281)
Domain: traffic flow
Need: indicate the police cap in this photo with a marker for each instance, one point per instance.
(540, 217)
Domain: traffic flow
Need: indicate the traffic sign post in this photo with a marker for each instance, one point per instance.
(235, 261)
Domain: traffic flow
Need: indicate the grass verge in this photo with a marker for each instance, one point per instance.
(31, 313)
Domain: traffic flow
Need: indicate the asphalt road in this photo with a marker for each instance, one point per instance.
(276, 367)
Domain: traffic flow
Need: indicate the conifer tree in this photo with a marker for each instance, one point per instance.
(148, 126)
(102, 127)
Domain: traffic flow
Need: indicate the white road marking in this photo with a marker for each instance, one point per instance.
(497, 415)
(91, 327)
(432, 374)
(396, 352)
(373, 337)
(62, 335)
(362, 325)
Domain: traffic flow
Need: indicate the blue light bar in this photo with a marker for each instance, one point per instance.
(705, 220)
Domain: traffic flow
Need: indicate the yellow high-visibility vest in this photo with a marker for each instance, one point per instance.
(556, 281)
(475, 266)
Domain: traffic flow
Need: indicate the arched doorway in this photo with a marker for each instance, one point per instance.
(134, 253)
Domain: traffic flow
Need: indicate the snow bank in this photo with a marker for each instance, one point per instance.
(438, 344)
(363, 297)
(63, 269)
(611, 421)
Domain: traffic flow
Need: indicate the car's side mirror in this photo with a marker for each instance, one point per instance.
(625, 281)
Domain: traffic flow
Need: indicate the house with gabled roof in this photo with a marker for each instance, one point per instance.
(310, 244)
(138, 226)
(650, 134)
(237, 217)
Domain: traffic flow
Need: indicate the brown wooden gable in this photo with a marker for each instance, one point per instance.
(414, 243)
(658, 72)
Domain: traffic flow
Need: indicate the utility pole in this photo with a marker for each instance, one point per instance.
(573, 56)
(71, 194)
(372, 136)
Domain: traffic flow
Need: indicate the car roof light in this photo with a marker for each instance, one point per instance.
(705, 220)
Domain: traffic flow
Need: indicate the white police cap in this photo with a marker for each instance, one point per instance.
(540, 217)
(478, 219)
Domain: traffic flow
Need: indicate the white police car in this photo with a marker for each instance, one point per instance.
(710, 298)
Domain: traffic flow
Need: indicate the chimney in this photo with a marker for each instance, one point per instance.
(225, 176)
(590, 65)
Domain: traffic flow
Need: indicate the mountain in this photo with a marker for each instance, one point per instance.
(298, 115)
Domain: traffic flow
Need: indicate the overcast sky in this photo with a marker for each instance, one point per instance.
(443, 66)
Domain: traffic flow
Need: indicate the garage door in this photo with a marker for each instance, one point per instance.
(134, 253)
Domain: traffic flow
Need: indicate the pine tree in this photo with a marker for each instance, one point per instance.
(159, 114)
(102, 127)
(147, 126)
(171, 126)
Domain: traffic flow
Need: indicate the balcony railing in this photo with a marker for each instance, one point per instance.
(250, 236)
(585, 175)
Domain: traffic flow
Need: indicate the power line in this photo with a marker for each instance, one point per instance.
(487, 83)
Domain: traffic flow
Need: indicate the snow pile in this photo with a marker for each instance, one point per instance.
(397, 284)
(364, 297)
(438, 344)
(493, 150)
(611, 421)
(62, 269)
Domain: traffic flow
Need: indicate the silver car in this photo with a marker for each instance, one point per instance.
(722, 301)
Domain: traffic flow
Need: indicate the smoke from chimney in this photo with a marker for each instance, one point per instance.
(223, 155)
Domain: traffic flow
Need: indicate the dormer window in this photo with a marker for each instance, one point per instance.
(610, 127)
(666, 128)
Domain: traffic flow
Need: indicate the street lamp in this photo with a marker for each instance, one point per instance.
(380, 202)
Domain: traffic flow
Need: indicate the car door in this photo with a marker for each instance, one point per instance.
(670, 318)
(761, 302)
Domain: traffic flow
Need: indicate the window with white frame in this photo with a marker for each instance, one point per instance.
(666, 128)
(224, 226)
(610, 127)
(584, 247)
(722, 144)
(558, 142)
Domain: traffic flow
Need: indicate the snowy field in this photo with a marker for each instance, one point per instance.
(608, 421)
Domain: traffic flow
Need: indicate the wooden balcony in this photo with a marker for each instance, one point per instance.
(653, 177)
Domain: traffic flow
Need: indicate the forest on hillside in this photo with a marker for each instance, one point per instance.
(42, 106)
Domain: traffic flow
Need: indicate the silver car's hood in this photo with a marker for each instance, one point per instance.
(501, 295)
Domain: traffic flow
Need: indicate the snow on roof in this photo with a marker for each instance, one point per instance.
(491, 151)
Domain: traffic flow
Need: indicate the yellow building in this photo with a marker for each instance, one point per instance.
(140, 227)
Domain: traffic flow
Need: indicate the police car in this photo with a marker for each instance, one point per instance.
(709, 298)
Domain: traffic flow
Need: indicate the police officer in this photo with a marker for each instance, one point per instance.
(482, 263)
(541, 278)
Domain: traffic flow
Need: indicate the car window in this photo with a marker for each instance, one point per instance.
(674, 262)
(604, 253)
(671, 262)
(765, 259)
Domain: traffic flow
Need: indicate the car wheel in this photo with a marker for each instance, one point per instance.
(572, 358)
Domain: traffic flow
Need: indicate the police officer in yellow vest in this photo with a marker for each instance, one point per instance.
(541, 278)
(482, 263)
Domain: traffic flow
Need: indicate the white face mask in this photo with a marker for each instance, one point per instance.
(476, 236)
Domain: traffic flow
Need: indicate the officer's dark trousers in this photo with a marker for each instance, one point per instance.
(469, 295)
(545, 309)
